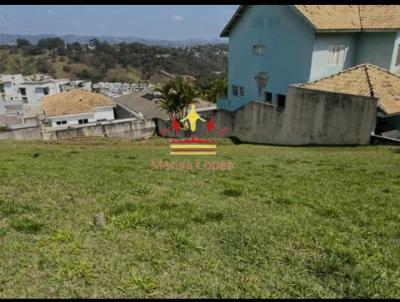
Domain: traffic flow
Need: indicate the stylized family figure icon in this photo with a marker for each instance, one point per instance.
(192, 118)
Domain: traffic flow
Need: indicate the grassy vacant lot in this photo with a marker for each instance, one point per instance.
(286, 222)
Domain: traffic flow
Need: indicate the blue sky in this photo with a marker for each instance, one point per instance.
(170, 22)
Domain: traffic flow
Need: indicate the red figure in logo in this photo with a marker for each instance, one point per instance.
(176, 126)
(210, 125)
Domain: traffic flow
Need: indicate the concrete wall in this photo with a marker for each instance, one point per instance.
(128, 128)
(320, 67)
(29, 133)
(309, 117)
(288, 42)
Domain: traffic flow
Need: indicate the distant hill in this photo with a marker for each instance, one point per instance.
(10, 39)
(113, 61)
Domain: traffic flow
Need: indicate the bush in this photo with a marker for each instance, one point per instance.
(66, 68)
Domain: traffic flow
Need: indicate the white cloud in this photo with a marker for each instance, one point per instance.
(177, 17)
(50, 11)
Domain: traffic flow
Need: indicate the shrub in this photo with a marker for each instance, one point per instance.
(66, 68)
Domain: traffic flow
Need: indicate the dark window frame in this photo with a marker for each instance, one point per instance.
(235, 90)
(268, 97)
(83, 121)
(281, 100)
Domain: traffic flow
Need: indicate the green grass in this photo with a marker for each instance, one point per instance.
(285, 222)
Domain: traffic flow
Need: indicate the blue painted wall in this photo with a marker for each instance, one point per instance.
(288, 42)
(375, 48)
(393, 67)
(294, 53)
(320, 67)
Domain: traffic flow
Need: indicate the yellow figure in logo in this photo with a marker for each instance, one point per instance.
(192, 117)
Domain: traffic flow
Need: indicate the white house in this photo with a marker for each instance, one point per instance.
(77, 107)
(10, 86)
(17, 88)
(33, 91)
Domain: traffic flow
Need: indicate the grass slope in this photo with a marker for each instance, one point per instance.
(286, 222)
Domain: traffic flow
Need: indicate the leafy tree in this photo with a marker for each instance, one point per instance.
(217, 88)
(176, 96)
(23, 43)
(43, 66)
(34, 51)
(76, 46)
(51, 43)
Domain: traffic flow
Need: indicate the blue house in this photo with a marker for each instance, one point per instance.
(272, 46)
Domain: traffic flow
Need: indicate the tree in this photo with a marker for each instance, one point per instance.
(76, 46)
(176, 96)
(43, 66)
(217, 88)
(23, 43)
(52, 44)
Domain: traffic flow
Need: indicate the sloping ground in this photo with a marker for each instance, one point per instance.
(285, 222)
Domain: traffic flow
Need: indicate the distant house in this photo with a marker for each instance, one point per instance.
(30, 89)
(9, 87)
(33, 91)
(145, 105)
(77, 107)
(273, 46)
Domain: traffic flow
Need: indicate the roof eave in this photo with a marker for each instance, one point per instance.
(299, 13)
(225, 32)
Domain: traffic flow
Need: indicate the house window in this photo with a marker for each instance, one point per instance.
(258, 50)
(235, 90)
(25, 100)
(398, 56)
(46, 90)
(22, 91)
(83, 121)
(281, 100)
(61, 122)
(336, 54)
(268, 97)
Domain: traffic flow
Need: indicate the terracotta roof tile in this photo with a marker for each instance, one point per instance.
(366, 80)
(74, 101)
(325, 18)
(378, 17)
(331, 17)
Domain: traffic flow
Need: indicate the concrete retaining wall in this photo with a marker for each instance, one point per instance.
(310, 117)
(128, 128)
(29, 133)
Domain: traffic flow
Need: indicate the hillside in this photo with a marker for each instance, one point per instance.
(101, 61)
(11, 39)
(285, 222)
